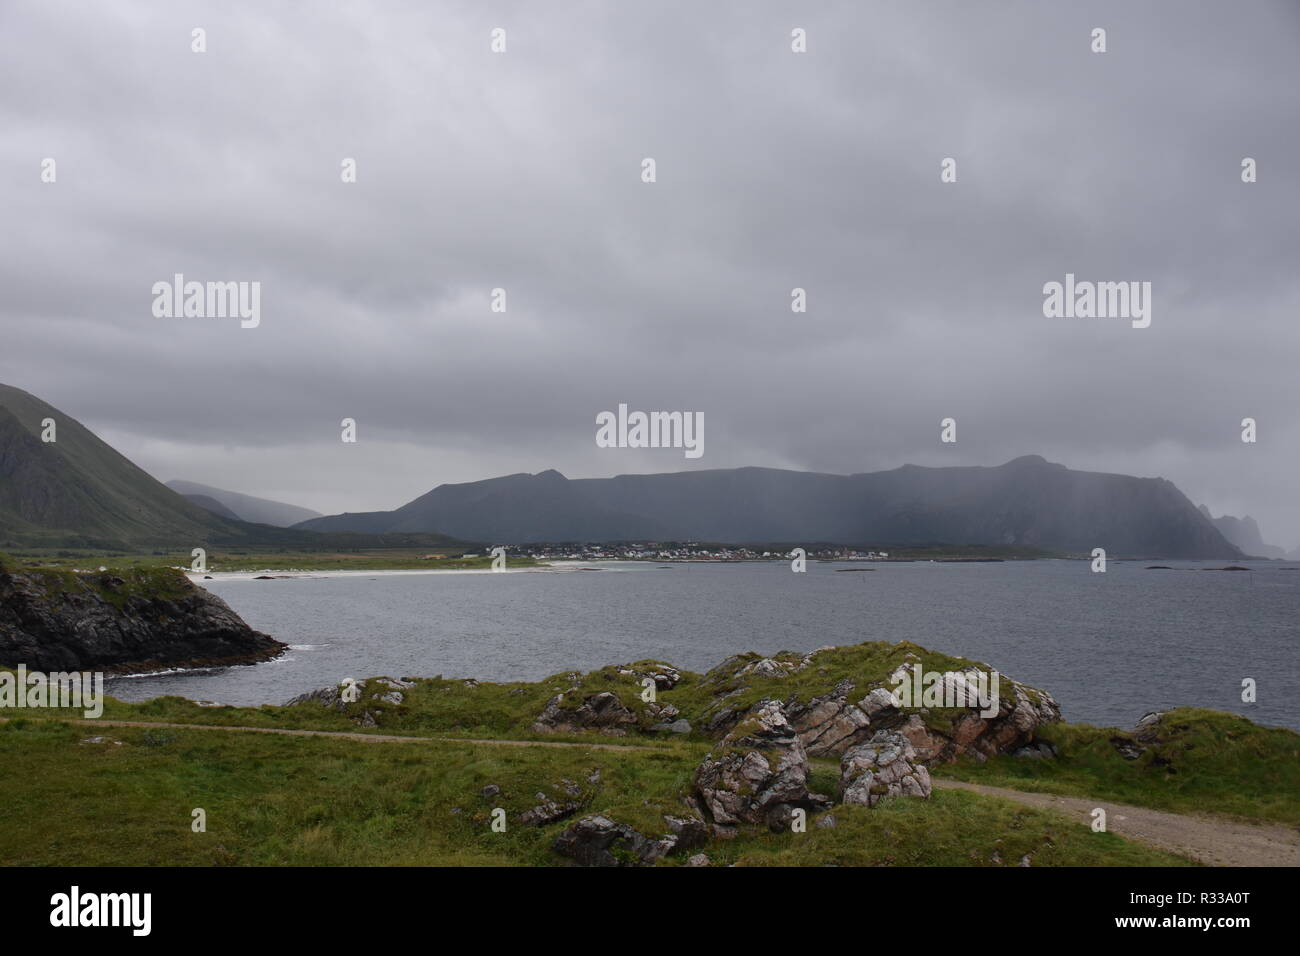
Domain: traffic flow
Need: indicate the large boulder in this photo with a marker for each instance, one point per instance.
(884, 766)
(757, 770)
(834, 723)
(973, 732)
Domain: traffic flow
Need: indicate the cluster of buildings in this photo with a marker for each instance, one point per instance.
(682, 551)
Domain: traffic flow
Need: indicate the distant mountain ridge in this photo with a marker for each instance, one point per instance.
(1026, 502)
(1245, 534)
(232, 504)
(78, 492)
(213, 505)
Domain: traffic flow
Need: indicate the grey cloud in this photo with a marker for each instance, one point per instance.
(775, 171)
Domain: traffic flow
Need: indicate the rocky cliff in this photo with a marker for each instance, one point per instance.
(120, 622)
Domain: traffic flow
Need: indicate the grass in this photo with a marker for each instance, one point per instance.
(952, 828)
(1206, 762)
(441, 706)
(273, 800)
(253, 559)
(115, 587)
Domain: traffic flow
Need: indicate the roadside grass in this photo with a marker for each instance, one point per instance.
(1205, 761)
(272, 800)
(952, 828)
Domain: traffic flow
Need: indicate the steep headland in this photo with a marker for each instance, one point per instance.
(119, 621)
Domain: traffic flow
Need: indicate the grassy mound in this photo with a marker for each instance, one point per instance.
(1197, 761)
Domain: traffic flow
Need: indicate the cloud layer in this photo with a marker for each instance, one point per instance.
(775, 170)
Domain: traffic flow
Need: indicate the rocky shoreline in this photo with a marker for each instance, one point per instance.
(120, 622)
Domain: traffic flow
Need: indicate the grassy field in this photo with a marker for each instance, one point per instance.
(274, 800)
(371, 559)
(1205, 762)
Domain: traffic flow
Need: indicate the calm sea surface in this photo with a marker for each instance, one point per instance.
(1108, 646)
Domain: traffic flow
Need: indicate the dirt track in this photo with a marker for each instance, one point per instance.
(1211, 840)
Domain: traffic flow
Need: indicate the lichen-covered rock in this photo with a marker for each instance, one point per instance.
(325, 696)
(549, 812)
(1021, 711)
(599, 841)
(676, 727)
(827, 724)
(665, 676)
(833, 723)
(603, 712)
(339, 696)
(885, 766)
(1147, 731)
(760, 765)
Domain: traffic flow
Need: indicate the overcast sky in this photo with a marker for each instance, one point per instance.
(775, 170)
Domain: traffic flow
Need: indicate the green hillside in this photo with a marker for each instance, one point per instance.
(77, 491)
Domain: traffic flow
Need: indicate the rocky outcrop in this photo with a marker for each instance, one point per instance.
(885, 766)
(1145, 736)
(551, 811)
(584, 707)
(120, 622)
(833, 723)
(599, 841)
(367, 694)
(665, 676)
(603, 712)
(756, 773)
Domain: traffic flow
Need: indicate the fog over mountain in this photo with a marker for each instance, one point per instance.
(232, 504)
(1028, 502)
(1245, 534)
(775, 171)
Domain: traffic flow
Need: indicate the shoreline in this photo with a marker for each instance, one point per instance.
(198, 577)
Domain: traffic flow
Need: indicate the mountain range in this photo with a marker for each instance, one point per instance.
(1027, 502)
(78, 491)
